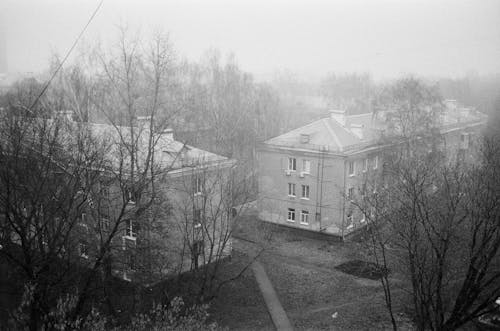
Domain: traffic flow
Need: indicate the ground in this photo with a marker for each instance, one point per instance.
(311, 290)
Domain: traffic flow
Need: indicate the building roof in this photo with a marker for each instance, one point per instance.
(170, 156)
(331, 134)
(169, 153)
(345, 133)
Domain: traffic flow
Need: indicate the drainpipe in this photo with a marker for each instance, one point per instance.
(343, 202)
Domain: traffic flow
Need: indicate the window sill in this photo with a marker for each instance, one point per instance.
(305, 198)
(292, 196)
(197, 194)
(352, 175)
(291, 221)
(302, 223)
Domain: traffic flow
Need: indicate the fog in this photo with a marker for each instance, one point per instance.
(385, 38)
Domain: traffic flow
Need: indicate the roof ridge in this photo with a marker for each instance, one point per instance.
(300, 128)
(332, 133)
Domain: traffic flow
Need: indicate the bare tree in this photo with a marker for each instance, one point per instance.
(439, 215)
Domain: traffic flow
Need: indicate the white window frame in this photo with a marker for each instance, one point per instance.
(126, 277)
(198, 185)
(365, 165)
(304, 217)
(291, 190)
(375, 162)
(292, 164)
(129, 230)
(305, 189)
(131, 198)
(349, 164)
(291, 212)
(306, 167)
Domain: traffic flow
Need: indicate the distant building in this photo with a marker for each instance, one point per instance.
(305, 174)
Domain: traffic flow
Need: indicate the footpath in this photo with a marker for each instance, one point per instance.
(278, 314)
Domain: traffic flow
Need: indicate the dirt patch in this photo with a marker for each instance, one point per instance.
(362, 269)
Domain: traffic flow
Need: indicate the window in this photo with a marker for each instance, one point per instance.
(291, 215)
(129, 230)
(104, 191)
(198, 186)
(105, 223)
(197, 216)
(464, 141)
(83, 250)
(126, 276)
(306, 166)
(365, 165)
(292, 164)
(130, 195)
(349, 220)
(351, 168)
(350, 193)
(198, 247)
(363, 189)
(375, 162)
(291, 189)
(304, 217)
(305, 191)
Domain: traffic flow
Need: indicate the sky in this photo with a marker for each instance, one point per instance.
(386, 38)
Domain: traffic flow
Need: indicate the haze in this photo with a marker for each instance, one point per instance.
(385, 38)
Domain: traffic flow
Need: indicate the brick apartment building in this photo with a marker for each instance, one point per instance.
(306, 174)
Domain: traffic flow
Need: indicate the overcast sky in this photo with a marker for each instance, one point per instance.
(386, 38)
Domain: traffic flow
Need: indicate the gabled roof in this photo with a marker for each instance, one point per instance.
(328, 133)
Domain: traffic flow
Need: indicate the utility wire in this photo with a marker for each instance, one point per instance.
(67, 55)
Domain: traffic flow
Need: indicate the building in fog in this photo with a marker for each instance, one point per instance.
(306, 174)
(187, 228)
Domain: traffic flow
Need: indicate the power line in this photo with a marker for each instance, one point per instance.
(67, 55)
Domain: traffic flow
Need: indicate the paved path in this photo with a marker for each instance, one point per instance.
(278, 314)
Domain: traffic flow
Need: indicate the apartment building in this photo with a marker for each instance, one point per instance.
(184, 226)
(307, 175)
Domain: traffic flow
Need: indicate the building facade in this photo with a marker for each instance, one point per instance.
(308, 176)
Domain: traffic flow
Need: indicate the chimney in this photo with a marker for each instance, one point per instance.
(357, 129)
(168, 133)
(143, 122)
(65, 114)
(339, 116)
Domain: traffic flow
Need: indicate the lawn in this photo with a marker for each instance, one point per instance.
(239, 305)
(311, 289)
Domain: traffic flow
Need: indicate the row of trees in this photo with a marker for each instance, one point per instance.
(62, 182)
(434, 215)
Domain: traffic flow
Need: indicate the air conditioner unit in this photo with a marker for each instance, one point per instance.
(302, 175)
(288, 172)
